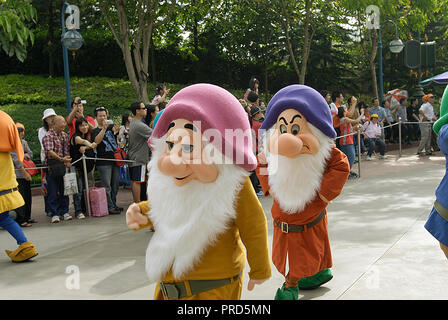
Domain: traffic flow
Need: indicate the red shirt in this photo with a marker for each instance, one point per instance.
(255, 127)
(346, 128)
(308, 251)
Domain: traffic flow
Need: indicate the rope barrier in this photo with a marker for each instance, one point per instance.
(80, 159)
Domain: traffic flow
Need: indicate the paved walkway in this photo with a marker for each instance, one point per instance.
(380, 248)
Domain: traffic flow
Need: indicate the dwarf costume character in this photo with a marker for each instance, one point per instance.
(200, 200)
(437, 223)
(301, 168)
(10, 197)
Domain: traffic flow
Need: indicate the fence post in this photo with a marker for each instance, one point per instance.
(86, 181)
(399, 136)
(359, 151)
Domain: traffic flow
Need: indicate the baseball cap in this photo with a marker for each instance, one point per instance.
(374, 116)
(20, 126)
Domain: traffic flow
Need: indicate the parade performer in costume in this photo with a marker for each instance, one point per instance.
(305, 171)
(437, 223)
(10, 197)
(200, 200)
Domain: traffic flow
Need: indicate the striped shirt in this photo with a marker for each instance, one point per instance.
(57, 143)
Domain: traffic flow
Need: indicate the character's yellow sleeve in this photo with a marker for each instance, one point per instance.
(251, 222)
(144, 207)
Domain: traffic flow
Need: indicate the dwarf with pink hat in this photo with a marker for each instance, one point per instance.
(201, 203)
(303, 171)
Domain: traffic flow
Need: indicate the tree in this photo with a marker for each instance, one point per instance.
(300, 20)
(15, 17)
(132, 24)
(408, 15)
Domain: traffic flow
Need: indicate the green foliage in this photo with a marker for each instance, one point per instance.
(25, 98)
(15, 16)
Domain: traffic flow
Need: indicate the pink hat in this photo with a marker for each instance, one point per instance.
(223, 122)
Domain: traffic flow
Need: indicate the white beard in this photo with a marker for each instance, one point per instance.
(187, 219)
(295, 182)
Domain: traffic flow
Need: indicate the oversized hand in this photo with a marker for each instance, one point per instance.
(134, 217)
(252, 283)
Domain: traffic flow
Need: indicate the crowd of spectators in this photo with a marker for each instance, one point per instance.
(100, 138)
(379, 125)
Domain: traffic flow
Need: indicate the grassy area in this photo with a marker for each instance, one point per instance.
(111, 92)
(25, 97)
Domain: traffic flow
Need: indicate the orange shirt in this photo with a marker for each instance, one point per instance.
(308, 251)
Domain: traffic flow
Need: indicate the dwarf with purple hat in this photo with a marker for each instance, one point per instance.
(200, 200)
(303, 171)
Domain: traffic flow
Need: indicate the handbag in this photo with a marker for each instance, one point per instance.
(119, 154)
(31, 166)
(70, 183)
(56, 169)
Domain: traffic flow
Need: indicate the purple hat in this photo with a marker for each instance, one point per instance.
(307, 101)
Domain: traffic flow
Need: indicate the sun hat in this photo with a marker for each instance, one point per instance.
(48, 113)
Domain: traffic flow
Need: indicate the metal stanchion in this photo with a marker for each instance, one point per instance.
(399, 137)
(359, 152)
(86, 181)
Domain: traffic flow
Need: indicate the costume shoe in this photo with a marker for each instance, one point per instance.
(316, 281)
(23, 253)
(287, 294)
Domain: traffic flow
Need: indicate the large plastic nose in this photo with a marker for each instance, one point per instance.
(289, 145)
(171, 165)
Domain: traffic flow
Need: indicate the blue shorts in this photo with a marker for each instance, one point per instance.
(438, 227)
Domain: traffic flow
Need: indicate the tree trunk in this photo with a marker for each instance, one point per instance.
(373, 52)
(285, 24)
(301, 74)
(306, 42)
(153, 61)
(136, 59)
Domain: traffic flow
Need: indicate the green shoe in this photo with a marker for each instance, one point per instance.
(316, 281)
(287, 294)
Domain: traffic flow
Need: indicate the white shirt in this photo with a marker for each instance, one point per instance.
(372, 130)
(155, 100)
(41, 134)
(333, 108)
(428, 110)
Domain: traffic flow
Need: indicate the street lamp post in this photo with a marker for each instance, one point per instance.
(395, 46)
(70, 40)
